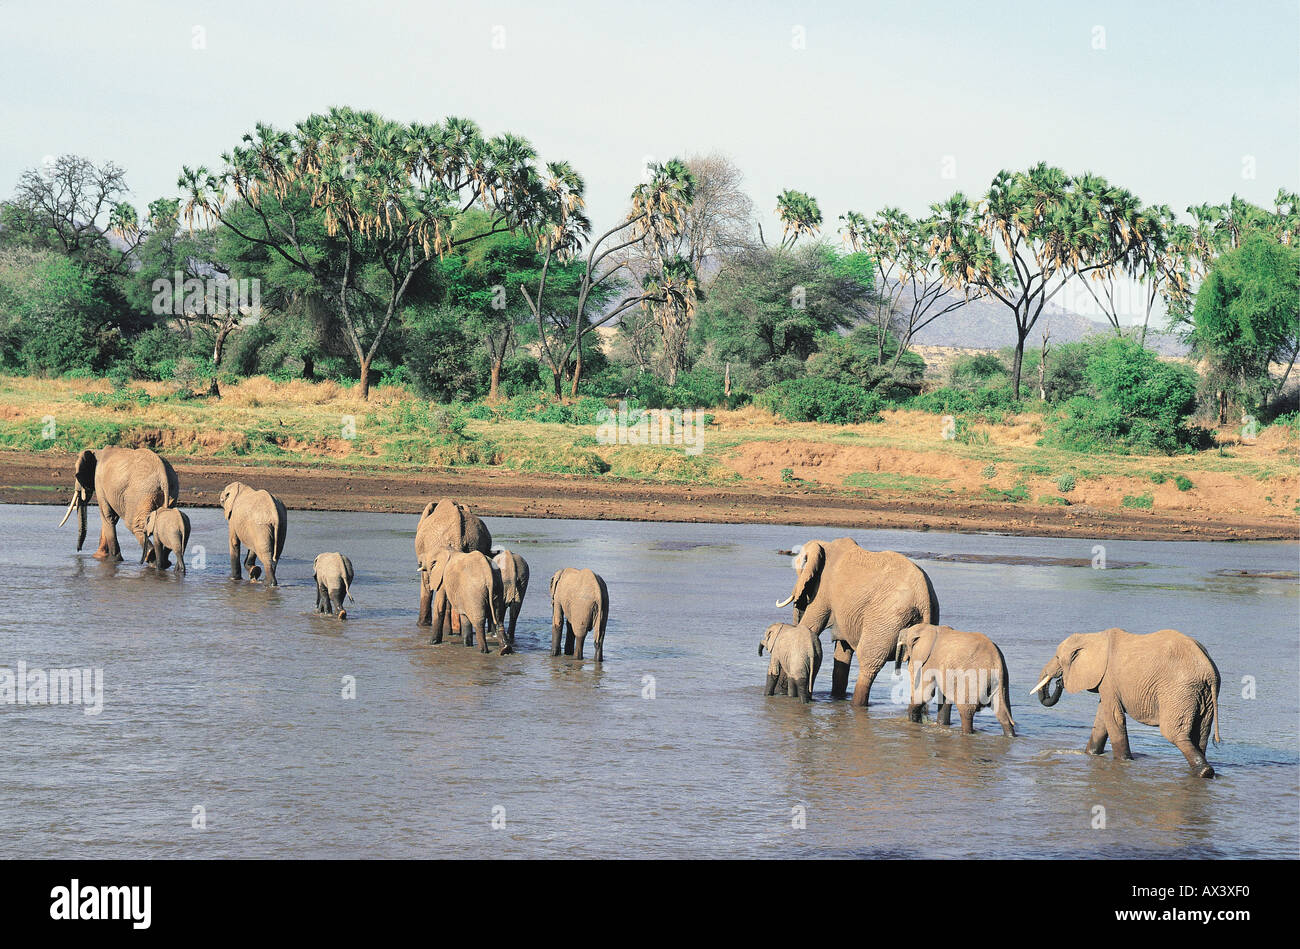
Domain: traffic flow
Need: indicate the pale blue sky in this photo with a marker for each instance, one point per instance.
(864, 116)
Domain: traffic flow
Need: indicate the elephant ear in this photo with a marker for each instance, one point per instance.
(556, 579)
(920, 640)
(814, 559)
(151, 521)
(85, 471)
(1084, 662)
(428, 509)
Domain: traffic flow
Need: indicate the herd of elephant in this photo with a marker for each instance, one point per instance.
(878, 604)
(466, 587)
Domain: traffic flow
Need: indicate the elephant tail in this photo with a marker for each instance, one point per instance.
(347, 588)
(275, 541)
(1214, 710)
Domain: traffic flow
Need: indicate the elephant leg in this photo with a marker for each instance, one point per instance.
(481, 624)
(802, 690)
(1004, 718)
(425, 617)
(250, 562)
(337, 595)
(1118, 730)
(916, 712)
(318, 597)
(514, 615)
(568, 638)
(579, 640)
(236, 572)
(943, 712)
(770, 688)
(557, 623)
(267, 557)
(437, 624)
(840, 670)
(180, 562)
(868, 669)
(600, 646)
(1097, 741)
(1185, 743)
(967, 713)
(783, 683)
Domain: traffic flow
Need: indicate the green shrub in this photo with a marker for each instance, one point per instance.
(1184, 483)
(989, 471)
(820, 400)
(1135, 402)
(1159, 477)
(1141, 502)
(1065, 483)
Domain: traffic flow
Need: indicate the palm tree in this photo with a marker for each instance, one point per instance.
(799, 215)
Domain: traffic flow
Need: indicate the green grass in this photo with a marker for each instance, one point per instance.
(1019, 493)
(1140, 502)
(888, 481)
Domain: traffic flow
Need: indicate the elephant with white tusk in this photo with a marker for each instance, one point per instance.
(957, 667)
(868, 597)
(1163, 678)
(795, 655)
(129, 483)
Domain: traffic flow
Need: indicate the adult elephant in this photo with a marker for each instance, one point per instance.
(1164, 678)
(445, 525)
(869, 597)
(130, 484)
(259, 521)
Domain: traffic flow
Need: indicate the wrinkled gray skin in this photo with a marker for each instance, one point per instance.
(333, 575)
(868, 597)
(579, 604)
(467, 592)
(796, 656)
(129, 483)
(513, 571)
(941, 660)
(170, 529)
(259, 521)
(445, 525)
(1164, 678)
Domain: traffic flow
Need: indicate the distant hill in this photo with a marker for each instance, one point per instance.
(987, 324)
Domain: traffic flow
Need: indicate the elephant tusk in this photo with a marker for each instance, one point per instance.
(1038, 688)
(68, 513)
(786, 602)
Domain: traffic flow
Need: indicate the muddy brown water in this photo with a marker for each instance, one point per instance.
(229, 697)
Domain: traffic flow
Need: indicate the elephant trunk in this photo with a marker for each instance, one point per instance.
(80, 501)
(1051, 685)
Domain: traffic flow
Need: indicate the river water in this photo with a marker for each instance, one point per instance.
(225, 730)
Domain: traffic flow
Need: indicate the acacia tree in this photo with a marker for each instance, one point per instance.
(71, 205)
(1025, 239)
(910, 290)
(658, 205)
(389, 194)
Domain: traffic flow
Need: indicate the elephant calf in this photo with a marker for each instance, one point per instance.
(170, 529)
(579, 604)
(258, 521)
(796, 654)
(967, 669)
(513, 571)
(1164, 678)
(333, 575)
(464, 585)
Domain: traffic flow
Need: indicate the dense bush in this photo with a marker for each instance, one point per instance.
(1133, 401)
(820, 400)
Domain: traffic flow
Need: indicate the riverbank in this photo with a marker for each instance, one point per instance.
(39, 478)
(318, 447)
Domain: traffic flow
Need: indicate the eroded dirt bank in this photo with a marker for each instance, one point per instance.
(40, 478)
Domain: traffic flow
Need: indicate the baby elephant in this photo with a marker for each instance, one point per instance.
(333, 575)
(170, 529)
(957, 667)
(796, 654)
(579, 603)
(513, 570)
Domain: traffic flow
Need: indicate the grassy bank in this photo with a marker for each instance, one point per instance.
(906, 454)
